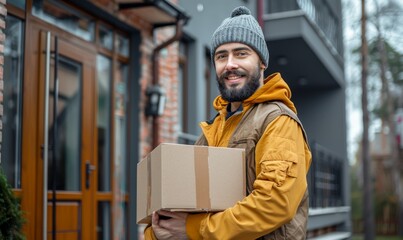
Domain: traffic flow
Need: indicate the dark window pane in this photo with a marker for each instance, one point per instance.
(104, 79)
(122, 45)
(120, 108)
(68, 119)
(105, 36)
(104, 231)
(12, 105)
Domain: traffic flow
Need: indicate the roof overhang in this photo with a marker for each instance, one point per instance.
(159, 13)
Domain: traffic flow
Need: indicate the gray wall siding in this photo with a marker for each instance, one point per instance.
(323, 114)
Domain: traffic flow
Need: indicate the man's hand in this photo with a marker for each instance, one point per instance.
(169, 225)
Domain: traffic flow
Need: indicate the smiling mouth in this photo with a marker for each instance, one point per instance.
(234, 80)
(233, 77)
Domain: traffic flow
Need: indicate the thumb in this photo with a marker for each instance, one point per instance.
(155, 219)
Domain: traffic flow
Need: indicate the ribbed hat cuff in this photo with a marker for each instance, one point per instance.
(240, 35)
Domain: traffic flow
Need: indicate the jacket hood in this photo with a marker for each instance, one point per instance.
(274, 89)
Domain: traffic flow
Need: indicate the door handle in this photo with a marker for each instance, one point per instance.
(46, 140)
(88, 169)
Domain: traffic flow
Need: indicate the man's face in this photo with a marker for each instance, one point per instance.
(239, 71)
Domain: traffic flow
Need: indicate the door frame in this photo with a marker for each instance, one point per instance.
(32, 125)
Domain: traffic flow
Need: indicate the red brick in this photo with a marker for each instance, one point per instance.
(3, 10)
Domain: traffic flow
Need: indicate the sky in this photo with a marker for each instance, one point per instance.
(352, 39)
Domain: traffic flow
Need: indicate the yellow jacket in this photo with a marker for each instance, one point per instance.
(281, 156)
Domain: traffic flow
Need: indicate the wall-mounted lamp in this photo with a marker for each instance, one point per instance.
(156, 101)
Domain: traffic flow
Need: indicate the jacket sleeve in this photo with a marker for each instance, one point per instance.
(149, 234)
(281, 169)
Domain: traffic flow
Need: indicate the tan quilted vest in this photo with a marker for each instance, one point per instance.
(246, 135)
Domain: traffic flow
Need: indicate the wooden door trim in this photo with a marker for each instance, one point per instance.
(29, 150)
(32, 124)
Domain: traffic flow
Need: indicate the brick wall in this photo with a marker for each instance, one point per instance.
(168, 71)
(168, 80)
(168, 75)
(3, 13)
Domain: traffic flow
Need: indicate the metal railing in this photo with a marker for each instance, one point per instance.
(319, 12)
(325, 179)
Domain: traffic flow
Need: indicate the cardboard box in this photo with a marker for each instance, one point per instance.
(189, 178)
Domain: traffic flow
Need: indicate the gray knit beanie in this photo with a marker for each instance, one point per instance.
(241, 27)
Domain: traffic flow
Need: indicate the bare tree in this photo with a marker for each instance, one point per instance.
(368, 214)
(388, 116)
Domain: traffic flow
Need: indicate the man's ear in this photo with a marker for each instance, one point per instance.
(262, 66)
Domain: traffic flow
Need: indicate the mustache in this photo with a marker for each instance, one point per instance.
(232, 72)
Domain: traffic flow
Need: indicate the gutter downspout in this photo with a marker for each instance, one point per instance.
(260, 13)
(155, 78)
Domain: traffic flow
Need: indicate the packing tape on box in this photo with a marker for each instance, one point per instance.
(201, 168)
(202, 177)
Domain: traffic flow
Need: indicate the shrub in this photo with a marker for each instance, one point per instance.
(11, 216)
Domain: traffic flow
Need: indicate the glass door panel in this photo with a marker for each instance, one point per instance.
(104, 76)
(68, 170)
(68, 127)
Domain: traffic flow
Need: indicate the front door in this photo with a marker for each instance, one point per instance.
(67, 133)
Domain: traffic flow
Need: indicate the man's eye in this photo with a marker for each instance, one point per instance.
(242, 54)
(220, 56)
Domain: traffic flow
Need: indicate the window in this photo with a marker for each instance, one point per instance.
(184, 136)
(65, 17)
(120, 154)
(12, 101)
(104, 221)
(104, 77)
(105, 36)
(112, 82)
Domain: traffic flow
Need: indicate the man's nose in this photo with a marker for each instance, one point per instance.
(231, 63)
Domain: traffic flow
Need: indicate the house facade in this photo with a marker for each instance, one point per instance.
(306, 38)
(90, 87)
(305, 41)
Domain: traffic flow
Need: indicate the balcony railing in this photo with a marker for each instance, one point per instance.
(319, 12)
(325, 179)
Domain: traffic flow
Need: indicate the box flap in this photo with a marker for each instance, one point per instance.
(178, 176)
(227, 174)
(155, 180)
(142, 189)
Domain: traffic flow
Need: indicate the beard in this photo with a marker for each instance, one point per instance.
(232, 94)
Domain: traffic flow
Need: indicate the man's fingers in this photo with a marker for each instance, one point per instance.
(166, 213)
(155, 219)
(172, 228)
(169, 214)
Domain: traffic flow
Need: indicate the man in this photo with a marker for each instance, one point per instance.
(255, 114)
